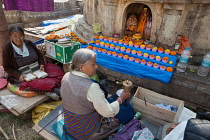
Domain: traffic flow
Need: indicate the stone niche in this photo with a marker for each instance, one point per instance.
(169, 19)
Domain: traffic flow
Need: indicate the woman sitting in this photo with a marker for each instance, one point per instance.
(20, 56)
(83, 101)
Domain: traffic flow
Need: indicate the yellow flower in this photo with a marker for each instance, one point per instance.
(170, 62)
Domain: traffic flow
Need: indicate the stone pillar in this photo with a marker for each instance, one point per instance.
(171, 24)
(110, 8)
(73, 3)
(4, 36)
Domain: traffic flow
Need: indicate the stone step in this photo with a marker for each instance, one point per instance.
(82, 24)
(83, 30)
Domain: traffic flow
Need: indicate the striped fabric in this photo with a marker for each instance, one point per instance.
(29, 68)
(81, 126)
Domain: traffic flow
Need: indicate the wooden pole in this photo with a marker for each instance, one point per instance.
(13, 131)
(3, 132)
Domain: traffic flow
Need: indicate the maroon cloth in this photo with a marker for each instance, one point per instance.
(55, 75)
(30, 5)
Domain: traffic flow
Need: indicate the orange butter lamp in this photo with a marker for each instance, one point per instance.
(114, 53)
(152, 55)
(120, 54)
(165, 58)
(173, 53)
(137, 59)
(98, 41)
(125, 56)
(96, 37)
(106, 37)
(143, 60)
(90, 47)
(169, 69)
(160, 49)
(149, 62)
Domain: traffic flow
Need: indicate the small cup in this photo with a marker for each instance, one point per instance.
(139, 54)
(128, 51)
(142, 47)
(164, 61)
(150, 57)
(136, 46)
(119, 56)
(143, 63)
(137, 61)
(131, 59)
(126, 58)
(109, 53)
(158, 59)
(131, 45)
(149, 64)
(160, 51)
(148, 48)
(154, 50)
(163, 67)
(116, 48)
(156, 66)
(111, 47)
(133, 52)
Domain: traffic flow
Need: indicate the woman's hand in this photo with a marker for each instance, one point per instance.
(42, 67)
(22, 78)
(123, 96)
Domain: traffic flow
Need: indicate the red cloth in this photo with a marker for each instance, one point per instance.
(55, 75)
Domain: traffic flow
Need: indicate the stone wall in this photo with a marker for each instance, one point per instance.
(169, 18)
(32, 19)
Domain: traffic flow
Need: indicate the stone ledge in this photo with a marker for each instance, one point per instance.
(190, 87)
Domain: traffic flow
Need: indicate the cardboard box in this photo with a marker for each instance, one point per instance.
(144, 101)
(61, 52)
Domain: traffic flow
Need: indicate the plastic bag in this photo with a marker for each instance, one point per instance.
(184, 42)
(42, 110)
(9, 100)
(96, 27)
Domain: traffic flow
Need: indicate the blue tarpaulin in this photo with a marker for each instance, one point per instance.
(57, 21)
(135, 69)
